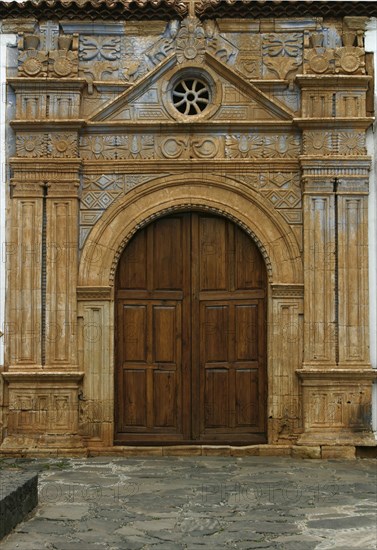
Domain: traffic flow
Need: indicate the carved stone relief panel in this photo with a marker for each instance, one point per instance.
(47, 54)
(347, 57)
(181, 146)
(282, 54)
(99, 57)
(262, 145)
(54, 144)
(334, 142)
(101, 146)
(100, 191)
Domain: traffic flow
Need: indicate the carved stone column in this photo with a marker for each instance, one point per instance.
(24, 257)
(95, 347)
(285, 356)
(61, 268)
(336, 375)
(42, 367)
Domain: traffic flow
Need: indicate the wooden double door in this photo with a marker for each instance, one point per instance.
(190, 334)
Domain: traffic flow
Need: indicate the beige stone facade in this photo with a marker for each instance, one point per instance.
(106, 140)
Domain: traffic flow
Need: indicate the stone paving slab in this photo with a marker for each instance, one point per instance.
(173, 503)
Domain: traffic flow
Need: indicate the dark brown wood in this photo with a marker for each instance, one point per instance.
(190, 334)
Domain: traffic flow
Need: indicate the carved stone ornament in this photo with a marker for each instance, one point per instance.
(319, 60)
(261, 146)
(31, 145)
(190, 42)
(350, 60)
(63, 145)
(282, 53)
(99, 56)
(318, 143)
(117, 147)
(63, 63)
(32, 63)
(53, 145)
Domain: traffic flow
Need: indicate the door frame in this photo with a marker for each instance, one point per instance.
(280, 249)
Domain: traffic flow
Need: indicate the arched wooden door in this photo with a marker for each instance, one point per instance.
(190, 334)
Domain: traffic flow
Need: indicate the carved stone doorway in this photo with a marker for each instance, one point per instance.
(190, 334)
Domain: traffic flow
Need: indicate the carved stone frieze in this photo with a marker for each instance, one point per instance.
(54, 144)
(181, 146)
(117, 147)
(262, 146)
(334, 142)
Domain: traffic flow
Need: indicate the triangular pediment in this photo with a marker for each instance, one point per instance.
(147, 100)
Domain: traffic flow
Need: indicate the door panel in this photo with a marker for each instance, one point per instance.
(190, 334)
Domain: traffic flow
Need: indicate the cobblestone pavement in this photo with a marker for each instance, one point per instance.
(199, 503)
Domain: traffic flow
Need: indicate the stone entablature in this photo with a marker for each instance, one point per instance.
(262, 122)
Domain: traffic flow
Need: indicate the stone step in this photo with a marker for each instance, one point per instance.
(18, 497)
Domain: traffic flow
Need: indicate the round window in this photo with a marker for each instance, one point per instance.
(191, 96)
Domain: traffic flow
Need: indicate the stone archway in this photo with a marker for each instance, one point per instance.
(98, 263)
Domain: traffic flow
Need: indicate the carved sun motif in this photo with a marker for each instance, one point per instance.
(351, 143)
(30, 145)
(63, 145)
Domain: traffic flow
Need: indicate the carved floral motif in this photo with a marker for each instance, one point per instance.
(190, 42)
(32, 63)
(98, 147)
(318, 143)
(46, 145)
(282, 53)
(117, 147)
(262, 146)
(63, 63)
(350, 60)
(31, 145)
(319, 60)
(63, 145)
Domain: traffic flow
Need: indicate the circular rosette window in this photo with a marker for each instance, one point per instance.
(191, 96)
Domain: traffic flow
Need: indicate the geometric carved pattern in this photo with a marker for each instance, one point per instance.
(99, 200)
(100, 191)
(283, 199)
